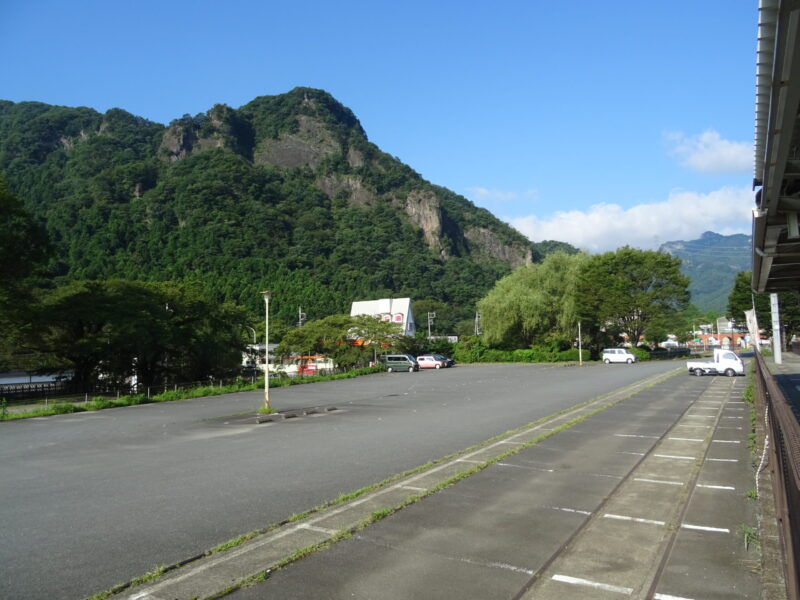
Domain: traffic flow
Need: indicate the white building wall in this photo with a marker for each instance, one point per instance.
(396, 310)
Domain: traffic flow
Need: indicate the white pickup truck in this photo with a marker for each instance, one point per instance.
(725, 362)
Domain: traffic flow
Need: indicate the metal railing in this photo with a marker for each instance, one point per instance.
(59, 389)
(784, 432)
(20, 392)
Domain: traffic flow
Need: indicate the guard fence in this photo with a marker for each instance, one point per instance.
(20, 392)
(784, 433)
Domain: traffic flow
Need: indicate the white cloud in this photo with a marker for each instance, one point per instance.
(708, 152)
(683, 216)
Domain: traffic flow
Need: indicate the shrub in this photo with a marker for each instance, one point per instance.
(570, 355)
(469, 350)
(496, 356)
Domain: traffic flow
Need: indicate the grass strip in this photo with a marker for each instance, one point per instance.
(146, 578)
(101, 403)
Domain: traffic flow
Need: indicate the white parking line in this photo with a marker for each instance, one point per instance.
(657, 481)
(631, 435)
(634, 519)
(723, 459)
(716, 487)
(668, 597)
(677, 439)
(324, 530)
(503, 464)
(593, 584)
(726, 441)
(570, 510)
(704, 528)
(674, 456)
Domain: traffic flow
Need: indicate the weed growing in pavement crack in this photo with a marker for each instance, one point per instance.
(749, 534)
(146, 578)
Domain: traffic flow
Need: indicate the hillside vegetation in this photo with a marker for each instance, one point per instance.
(712, 263)
(285, 193)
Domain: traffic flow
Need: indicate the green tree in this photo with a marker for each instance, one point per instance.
(328, 336)
(155, 332)
(374, 335)
(24, 250)
(534, 305)
(743, 298)
(24, 245)
(413, 345)
(444, 321)
(622, 293)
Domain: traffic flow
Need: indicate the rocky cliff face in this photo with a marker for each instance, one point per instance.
(307, 147)
(515, 255)
(308, 129)
(422, 208)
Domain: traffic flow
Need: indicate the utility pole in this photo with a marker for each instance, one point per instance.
(266, 295)
(431, 317)
(580, 346)
(301, 316)
(477, 323)
(777, 338)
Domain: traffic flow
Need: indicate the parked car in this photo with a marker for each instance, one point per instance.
(400, 362)
(618, 355)
(449, 362)
(429, 361)
(725, 363)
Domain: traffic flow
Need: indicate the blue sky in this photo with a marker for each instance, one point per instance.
(599, 124)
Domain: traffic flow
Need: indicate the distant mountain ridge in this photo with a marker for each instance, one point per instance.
(285, 193)
(711, 263)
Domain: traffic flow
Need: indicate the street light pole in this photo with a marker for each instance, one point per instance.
(266, 295)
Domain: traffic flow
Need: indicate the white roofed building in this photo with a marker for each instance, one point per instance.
(396, 310)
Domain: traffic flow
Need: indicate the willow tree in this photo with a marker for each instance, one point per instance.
(534, 305)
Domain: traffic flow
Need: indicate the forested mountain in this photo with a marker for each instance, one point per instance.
(711, 263)
(285, 193)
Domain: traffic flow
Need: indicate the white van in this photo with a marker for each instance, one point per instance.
(618, 355)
